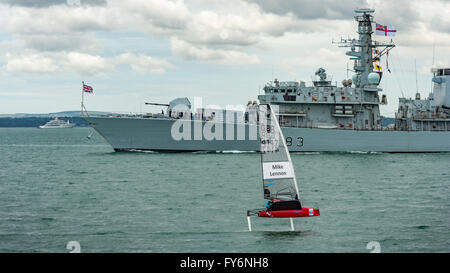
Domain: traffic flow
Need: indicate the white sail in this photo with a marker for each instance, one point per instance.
(279, 182)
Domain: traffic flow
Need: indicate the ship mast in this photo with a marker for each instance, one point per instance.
(361, 49)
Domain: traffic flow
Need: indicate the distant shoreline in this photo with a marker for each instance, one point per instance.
(29, 122)
(24, 120)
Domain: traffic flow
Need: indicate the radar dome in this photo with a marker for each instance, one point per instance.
(373, 78)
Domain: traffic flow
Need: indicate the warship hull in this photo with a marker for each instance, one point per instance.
(153, 134)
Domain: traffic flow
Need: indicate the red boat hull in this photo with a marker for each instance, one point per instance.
(304, 212)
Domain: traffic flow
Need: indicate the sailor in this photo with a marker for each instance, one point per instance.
(270, 202)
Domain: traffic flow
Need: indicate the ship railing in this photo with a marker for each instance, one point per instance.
(431, 117)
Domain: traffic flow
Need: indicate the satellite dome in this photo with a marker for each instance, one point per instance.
(373, 78)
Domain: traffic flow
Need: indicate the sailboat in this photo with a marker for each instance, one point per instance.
(279, 181)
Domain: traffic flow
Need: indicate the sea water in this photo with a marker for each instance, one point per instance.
(58, 186)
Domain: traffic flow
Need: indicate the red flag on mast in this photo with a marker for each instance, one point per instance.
(87, 88)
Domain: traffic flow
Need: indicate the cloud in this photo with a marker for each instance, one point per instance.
(58, 35)
(208, 31)
(47, 3)
(388, 13)
(143, 64)
(306, 9)
(63, 42)
(416, 21)
(57, 20)
(56, 62)
(202, 53)
(314, 52)
(205, 35)
(241, 27)
(86, 63)
(32, 63)
(162, 16)
(221, 30)
(82, 63)
(215, 36)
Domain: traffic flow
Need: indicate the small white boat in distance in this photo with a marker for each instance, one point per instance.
(57, 124)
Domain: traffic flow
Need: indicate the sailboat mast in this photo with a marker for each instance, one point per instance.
(262, 170)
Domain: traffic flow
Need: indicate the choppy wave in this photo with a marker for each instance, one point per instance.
(362, 152)
(142, 151)
(235, 152)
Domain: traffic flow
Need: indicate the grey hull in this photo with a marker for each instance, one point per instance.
(125, 134)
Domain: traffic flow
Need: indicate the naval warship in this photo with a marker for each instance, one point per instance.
(320, 117)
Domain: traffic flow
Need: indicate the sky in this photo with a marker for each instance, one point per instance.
(138, 51)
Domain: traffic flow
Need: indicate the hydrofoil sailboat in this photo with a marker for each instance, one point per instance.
(279, 181)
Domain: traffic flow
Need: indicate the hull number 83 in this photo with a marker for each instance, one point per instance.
(298, 142)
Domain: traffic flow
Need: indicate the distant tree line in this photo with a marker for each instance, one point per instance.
(386, 121)
(37, 121)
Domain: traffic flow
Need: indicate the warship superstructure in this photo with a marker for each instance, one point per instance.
(430, 114)
(323, 116)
